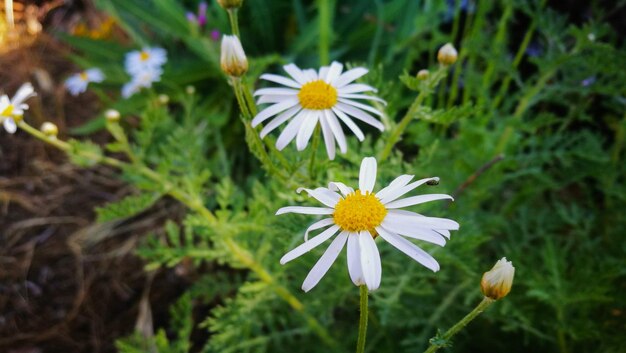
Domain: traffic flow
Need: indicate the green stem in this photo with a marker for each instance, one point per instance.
(360, 345)
(325, 30)
(399, 130)
(460, 325)
(234, 22)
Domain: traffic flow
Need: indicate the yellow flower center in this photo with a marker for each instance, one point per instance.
(83, 76)
(359, 212)
(7, 111)
(144, 55)
(317, 95)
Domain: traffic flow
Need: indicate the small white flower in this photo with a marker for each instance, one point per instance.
(142, 79)
(326, 96)
(13, 109)
(233, 59)
(78, 83)
(147, 58)
(360, 216)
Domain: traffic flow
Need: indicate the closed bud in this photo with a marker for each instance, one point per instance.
(422, 74)
(164, 99)
(112, 115)
(230, 4)
(49, 129)
(233, 59)
(497, 282)
(447, 55)
(190, 90)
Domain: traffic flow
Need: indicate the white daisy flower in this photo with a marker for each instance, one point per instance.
(147, 58)
(13, 109)
(362, 215)
(326, 96)
(78, 83)
(142, 79)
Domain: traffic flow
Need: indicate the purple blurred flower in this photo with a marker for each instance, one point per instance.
(588, 81)
(215, 35)
(534, 49)
(199, 19)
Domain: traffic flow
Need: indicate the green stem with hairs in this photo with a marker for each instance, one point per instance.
(443, 340)
(399, 130)
(360, 344)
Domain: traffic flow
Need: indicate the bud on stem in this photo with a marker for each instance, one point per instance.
(496, 283)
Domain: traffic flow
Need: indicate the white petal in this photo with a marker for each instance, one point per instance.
(343, 188)
(329, 139)
(415, 200)
(306, 130)
(311, 75)
(335, 128)
(349, 76)
(318, 225)
(23, 93)
(323, 264)
(361, 115)
(309, 245)
(367, 175)
(370, 261)
(350, 124)
(398, 182)
(355, 88)
(95, 75)
(323, 195)
(360, 106)
(444, 232)
(273, 110)
(276, 91)
(271, 98)
(9, 125)
(410, 249)
(333, 72)
(282, 80)
(4, 102)
(304, 210)
(392, 195)
(291, 130)
(418, 220)
(354, 259)
(323, 72)
(362, 96)
(410, 230)
(277, 121)
(296, 73)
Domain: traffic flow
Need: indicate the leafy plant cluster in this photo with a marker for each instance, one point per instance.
(526, 131)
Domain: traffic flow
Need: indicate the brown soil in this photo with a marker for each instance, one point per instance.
(68, 284)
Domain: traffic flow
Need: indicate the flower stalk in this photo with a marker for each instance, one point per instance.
(441, 341)
(360, 345)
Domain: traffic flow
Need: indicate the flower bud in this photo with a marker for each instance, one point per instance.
(233, 59)
(497, 282)
(163, 98)
(49, 129)
(447, 55)
(112, 115)
(190, 90)
(230, 4)
(422, 74)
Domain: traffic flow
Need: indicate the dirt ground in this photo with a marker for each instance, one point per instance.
(67, 284)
